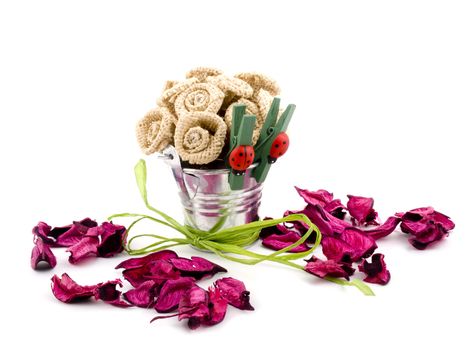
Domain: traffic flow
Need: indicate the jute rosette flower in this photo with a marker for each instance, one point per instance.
(235, 86)
(251, 109)
(260, 82)
(199, 97)
(202, 73)
(156, 130)
(200, 137)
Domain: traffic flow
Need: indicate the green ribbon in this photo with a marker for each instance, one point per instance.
(227, 243)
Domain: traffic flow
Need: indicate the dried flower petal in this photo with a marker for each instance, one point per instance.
(42, 253)
(197, 267)
(217, 307)
(158, 271)
(336, 249)
(376, 270)
(381, 231)
(330, 268)
(425, 225)
(278, 242)
(320, 197)
(85, 248)
(336, 208)
(194, 307)
(108, 293)
(361, 210)
(234, 292)
(112, 239)
(136, 276)
(147, 259)
(68, 291)
(362, 245)
(171, 293)
(143, 295)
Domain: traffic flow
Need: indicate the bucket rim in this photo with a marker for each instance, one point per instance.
(195, 171)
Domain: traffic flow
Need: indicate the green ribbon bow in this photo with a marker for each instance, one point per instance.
(228, 243)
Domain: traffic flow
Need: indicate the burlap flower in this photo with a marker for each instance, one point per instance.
(251, 108)
(202, 73)
(199, 97)
(200, 137)
(232, 85)
(155, 131)
(260, 82)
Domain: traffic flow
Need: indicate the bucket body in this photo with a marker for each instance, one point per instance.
(210, 205)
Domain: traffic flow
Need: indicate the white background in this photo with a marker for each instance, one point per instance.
(380, 89)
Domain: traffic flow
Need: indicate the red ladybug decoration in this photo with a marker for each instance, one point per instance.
(241, 158)
(279, 147)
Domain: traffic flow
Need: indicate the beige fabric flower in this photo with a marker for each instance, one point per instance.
(199, 97)
(260, 81)
(201, 73)
(200, 137)
(155, 131)
(251, 108)
(228, 84)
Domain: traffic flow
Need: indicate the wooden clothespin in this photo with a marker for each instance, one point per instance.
(241, 153)
(273, 141)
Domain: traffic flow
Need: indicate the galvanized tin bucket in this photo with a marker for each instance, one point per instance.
(208, 202)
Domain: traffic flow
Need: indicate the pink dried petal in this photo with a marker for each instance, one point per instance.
(108, 293)
(68, 291)
(143, 295)
(217, 307)
(278, 242)
(42, 253)
(67, 236)
(171, 293)
(136, 276)
(327, 223)
(320, 197)
(362, 245)
(381, 231)
(234, 292)
(112, 239)
(85, 248)
(432, 234)
(336, 208)
(273, 230)
(329, 268)
(197, 267)
(376, 270)
(42, 230)
(194, 307)
(336, 249)
(161, 270)
(138, 262)
(443, 220)
(361, 210)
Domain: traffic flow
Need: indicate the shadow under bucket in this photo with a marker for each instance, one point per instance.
(208, 202)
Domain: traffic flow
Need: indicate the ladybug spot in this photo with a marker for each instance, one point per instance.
(251, 154)
(248, 161)
(276, 145)
(284, 143)
(238, 165)
(233, 159)
(241, 154)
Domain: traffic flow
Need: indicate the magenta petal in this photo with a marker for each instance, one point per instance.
(327, 223)
(432, 234)
(68, 291)
(112, 238)
(278, 242)
(383, 230)
(234, 292)
(136, 276)
(273, 230)
(138, 262)
(42, 253)
(376, 270)
(329, 268)
(217, 307)
(336, 249)
(196, 267)
(67, 236)
(320, 197)
(335, 208)
(362, 245)
(171, 293)
(142, 296)
(108, 293)
(361, 210)
(85, 248)
(194, 307)
(42, 230)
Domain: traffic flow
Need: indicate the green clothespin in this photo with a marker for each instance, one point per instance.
(268, 134)
(241, 134)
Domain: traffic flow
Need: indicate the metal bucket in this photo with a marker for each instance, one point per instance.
(208, 202)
